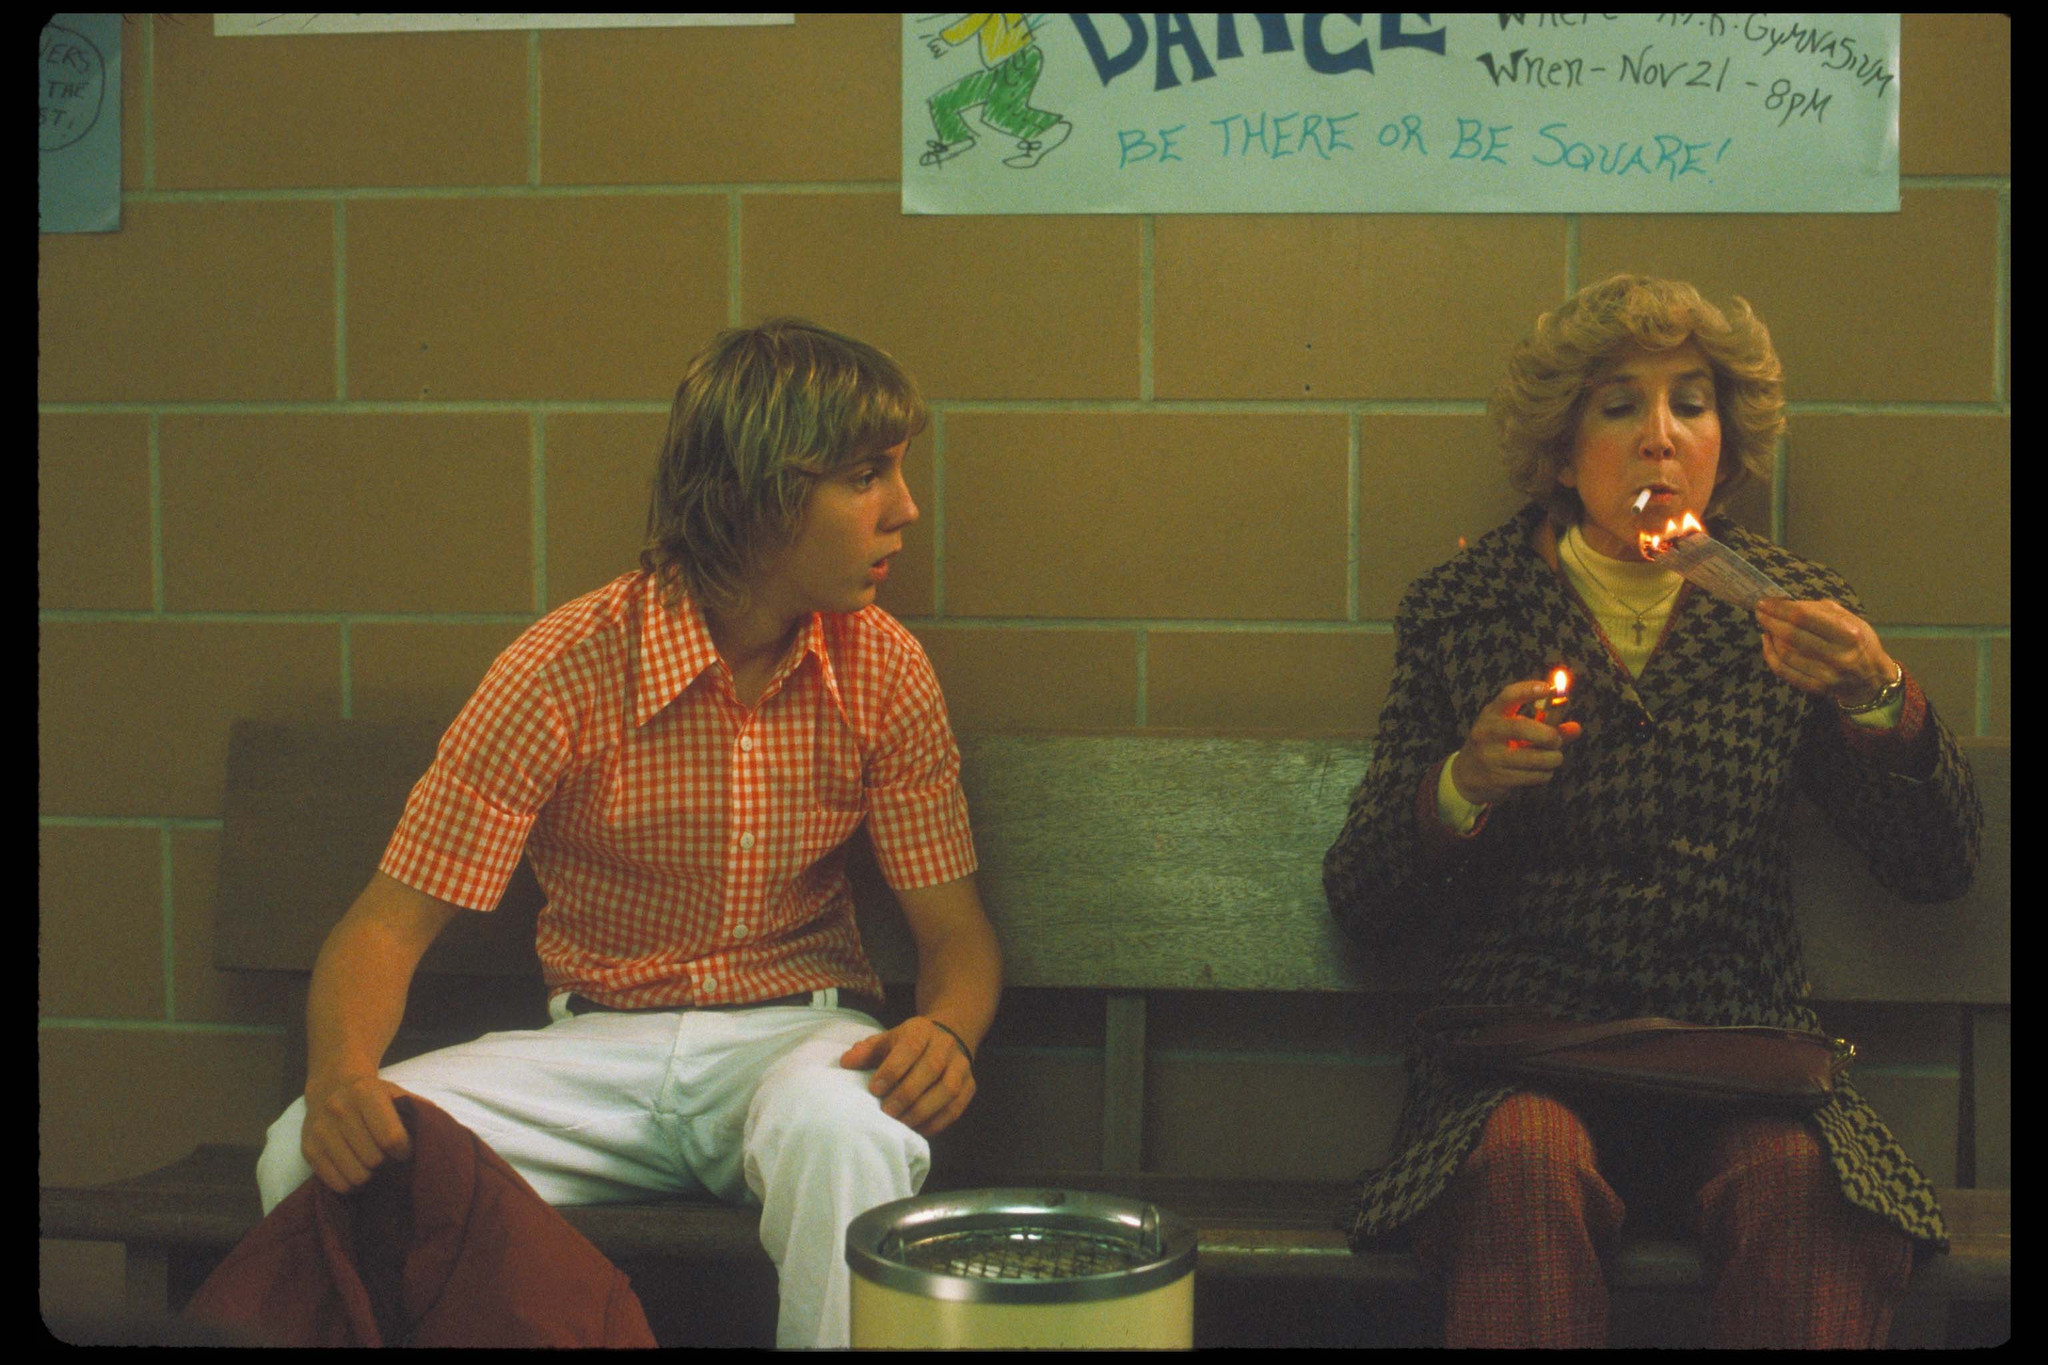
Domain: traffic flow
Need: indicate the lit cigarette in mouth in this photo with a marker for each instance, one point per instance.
(1642, 500)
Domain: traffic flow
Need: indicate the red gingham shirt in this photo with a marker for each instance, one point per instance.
(688, 847)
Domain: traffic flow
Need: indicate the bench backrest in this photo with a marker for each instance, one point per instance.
(1121, 862)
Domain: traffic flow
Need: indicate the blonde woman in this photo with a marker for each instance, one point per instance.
(1632, 861)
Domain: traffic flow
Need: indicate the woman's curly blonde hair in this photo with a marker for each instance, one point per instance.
(1536, 408)
(759, 416)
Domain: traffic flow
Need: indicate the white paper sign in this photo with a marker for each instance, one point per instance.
(1400, 113)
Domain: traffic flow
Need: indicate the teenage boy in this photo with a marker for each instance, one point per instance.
(682, 754)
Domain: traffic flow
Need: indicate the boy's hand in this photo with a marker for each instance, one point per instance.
(921, 1075)
(350, 1128)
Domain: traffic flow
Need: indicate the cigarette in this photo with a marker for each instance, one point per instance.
(1642, 500)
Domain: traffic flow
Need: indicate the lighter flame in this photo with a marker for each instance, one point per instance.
(1653, 545)
(1559, 681)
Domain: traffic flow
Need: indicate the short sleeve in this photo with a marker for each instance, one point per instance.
(917, 813)
(466, 821)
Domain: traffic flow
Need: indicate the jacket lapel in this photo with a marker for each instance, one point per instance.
(1706, 638)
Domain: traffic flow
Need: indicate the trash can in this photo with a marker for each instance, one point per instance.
(1021, 1268)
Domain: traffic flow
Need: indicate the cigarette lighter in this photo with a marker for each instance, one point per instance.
(1551, 710)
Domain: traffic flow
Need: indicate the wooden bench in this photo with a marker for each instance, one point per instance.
(1125, 875)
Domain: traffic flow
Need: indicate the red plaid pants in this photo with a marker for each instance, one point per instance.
(1515, 1240)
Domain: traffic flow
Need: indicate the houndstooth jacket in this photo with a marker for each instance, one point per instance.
(1650, 876)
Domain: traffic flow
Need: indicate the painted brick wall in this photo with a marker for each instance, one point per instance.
(375, 370)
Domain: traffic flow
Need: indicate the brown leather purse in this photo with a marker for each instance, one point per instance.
(1722, 1068)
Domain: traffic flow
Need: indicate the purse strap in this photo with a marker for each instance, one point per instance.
(1438, 1021)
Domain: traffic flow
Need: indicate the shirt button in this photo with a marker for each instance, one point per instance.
(746, 841)
(740, 930)
(709, 983)
(747, 744)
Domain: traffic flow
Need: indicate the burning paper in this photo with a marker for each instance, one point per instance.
(1704, 561)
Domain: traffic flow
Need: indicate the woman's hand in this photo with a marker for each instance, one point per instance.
(1507, 752)
(1823, 648)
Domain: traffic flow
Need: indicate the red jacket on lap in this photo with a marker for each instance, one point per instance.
(452, 1248)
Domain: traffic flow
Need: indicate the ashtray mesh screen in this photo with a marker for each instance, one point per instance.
(1021, 1253)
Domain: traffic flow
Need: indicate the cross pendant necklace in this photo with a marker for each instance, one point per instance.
(1639, 615)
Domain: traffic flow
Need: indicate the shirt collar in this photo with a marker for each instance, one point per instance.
(675, 646)
(676, 649)
(815, 644)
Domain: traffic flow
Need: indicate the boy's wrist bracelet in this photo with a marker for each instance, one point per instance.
(967, 1051)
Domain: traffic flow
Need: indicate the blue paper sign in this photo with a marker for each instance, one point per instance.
(78, 106)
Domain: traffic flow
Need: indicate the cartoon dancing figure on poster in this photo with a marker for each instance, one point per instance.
(1011, 61)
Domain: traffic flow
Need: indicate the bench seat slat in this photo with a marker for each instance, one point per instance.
(1248, 1228)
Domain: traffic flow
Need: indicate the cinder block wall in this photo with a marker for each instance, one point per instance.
(375, 370)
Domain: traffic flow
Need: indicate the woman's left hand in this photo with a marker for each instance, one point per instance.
(1823, 648)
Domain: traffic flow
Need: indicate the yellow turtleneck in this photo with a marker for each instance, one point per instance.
(1616, 591)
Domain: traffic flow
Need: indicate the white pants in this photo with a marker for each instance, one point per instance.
(750, 1106)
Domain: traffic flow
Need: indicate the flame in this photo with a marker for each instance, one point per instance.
(1653, 545)
(1548, 709)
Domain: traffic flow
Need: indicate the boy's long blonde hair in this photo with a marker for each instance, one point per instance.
(759, 415)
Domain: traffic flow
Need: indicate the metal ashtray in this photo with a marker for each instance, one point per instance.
(1021, 1267)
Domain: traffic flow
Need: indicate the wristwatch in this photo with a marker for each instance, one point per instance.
(1883, 698)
